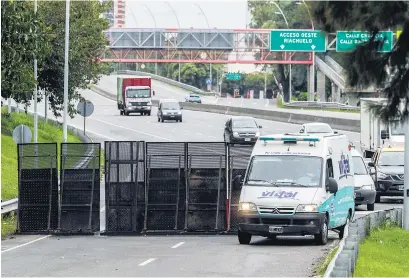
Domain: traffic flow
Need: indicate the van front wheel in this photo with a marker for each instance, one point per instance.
(322, 237)
(244, 238)
(342, 229)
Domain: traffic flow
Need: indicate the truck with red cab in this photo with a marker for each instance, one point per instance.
(134, 95)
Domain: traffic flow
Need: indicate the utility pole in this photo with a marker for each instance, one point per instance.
(406, 180)
(35, 77)
(67, 45)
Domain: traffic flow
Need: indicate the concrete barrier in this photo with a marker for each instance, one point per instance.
(295, 118)
(344, 262)
(167, 81)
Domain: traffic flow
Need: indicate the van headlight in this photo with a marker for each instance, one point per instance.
(149, 103)
(128, 104)
(235, 134)
(381, 175)
(258, 134)
(247, 206)
(307, 208)
(179, 112)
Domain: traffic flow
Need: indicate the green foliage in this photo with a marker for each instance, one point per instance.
(22, 39)
(87, 42)
(264, 15)
(303, 96)
(366, 66)
(26, 35)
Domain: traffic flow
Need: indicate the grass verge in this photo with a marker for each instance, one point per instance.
(385, 253)
(323, 265)
(281, 105)
(8, 225)
(47, 132)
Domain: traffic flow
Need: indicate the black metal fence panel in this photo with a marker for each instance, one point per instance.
(124, 186)
(37, 187)
(165, 186)
(239, 157)
(206, 191)
(80, 187)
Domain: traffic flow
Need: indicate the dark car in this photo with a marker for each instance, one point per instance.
(241, 130)
(169, 109)
(389, 165)
(194, 99)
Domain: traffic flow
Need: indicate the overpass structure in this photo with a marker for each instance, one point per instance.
(222, 46)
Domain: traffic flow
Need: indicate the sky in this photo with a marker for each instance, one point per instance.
(222, 14)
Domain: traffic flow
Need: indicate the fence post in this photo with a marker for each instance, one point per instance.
(92, 191)
(50, 193)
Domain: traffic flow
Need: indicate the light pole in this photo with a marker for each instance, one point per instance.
(406, 180)
(177, 19)
(290, 68)
(208, 25)
(35, 77)
(312, 75)
(154, 21)
(67, 45)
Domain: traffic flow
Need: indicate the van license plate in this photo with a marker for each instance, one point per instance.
(275, 229)
(247, 139)
(401, 187)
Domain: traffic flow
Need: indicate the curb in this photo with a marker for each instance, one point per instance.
(344, 262)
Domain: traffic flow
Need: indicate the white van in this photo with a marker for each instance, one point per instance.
(365, 192)
(297, 184)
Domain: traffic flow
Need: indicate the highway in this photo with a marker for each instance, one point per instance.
(161, 256)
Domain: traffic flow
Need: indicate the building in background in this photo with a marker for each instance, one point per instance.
(116, 14)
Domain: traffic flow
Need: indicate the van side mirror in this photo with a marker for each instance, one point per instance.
(332, 185)
(384, 135)
(260, 126)
(371, 164)
(372, 171)
(335, 132)
(237, 182)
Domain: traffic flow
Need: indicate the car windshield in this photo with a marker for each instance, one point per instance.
(247, 123)
(194, 97)
(318, 129)
(170, 106)
(359, 166)
(285, 170)
(391, 159)
(397, 128)
(138, 93)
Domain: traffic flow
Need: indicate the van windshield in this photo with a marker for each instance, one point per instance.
(138, 93)
(170, 106)
(285, 170)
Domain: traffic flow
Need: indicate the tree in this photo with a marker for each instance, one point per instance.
(22, 38)
(264, 16)
(87, 43)
(367, 66)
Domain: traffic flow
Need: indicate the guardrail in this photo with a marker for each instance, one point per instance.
(322, 105)
(344, 262)
(166, 80)
(12, 205)
(279, 116)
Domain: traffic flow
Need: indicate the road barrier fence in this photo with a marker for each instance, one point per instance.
(150, 187)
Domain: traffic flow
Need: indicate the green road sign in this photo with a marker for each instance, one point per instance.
(348, 40)
(298, 41)
(233, 76)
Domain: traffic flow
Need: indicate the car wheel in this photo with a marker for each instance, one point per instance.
(158, 119)
(322, 237)
(370, 207)
(162, 120)
(377, 198)
(180, 120)
(126, 113)
(244, 238)
(342, 229)
(148, 113)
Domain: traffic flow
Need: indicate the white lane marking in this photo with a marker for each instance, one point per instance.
(229, 102)
(241, 103)
(98, 134)
(254, 103)
(134, 130)
(209, 126)
(214, 137)
(103, 209)
(199, 134)
(147, 261)
(267, 102)
(25, 244)
(177, 245)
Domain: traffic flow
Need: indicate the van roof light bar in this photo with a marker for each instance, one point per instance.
(288, 139)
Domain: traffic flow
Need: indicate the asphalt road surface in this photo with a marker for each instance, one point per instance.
(161, 256)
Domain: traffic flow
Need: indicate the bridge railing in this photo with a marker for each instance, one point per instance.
(166, 80)
(322, 105)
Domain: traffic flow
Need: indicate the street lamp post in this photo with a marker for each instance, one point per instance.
(177, 19)
(290, 68)
(154, 21)
(208, 25)
(36, 87)
(312, 75)
(67, 45)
